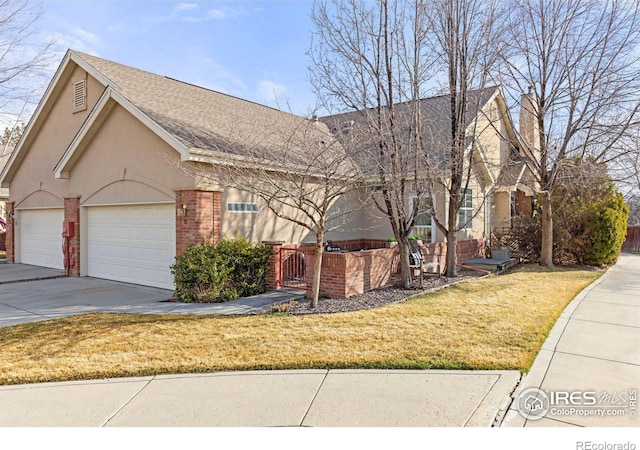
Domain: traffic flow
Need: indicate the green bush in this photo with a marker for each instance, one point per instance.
(228, 270)
(607, 230)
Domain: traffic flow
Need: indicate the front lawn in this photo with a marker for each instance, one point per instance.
(498, 322)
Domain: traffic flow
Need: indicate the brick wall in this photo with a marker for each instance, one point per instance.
(3, 235)
(201, 222)
(72, 214)
(9, 236)
(347, 274)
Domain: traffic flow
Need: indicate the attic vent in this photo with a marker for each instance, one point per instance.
(79, 95)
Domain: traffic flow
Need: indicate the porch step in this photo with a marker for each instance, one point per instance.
(491, 264)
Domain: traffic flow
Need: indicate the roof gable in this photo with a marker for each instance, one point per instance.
(55, 87)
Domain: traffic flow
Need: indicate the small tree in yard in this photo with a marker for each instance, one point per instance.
(294, 165)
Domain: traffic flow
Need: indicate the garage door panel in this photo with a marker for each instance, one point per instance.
(40, 237)
(135, 244)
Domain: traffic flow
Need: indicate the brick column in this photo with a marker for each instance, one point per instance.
(72, 214)
(197, 218)
(10, 236)
(274, 273)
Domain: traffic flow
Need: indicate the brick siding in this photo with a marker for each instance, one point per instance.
(72, 214)
(9, 240)
(201, 223)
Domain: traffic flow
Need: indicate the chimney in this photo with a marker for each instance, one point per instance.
(529, 132)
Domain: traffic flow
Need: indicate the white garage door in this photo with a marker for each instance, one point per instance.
(41, 237)
(135, 244)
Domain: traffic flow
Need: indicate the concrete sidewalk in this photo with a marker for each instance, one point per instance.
(327, 398)
(592, 351)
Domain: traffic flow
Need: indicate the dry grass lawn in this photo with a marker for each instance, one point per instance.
(491, 323)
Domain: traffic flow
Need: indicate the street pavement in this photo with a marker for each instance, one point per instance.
(592, 350)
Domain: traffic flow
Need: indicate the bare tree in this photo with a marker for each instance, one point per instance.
(22, 54)
(579, 59)
(369, 58)
(379, 61)
(295, 166)
(461, 30)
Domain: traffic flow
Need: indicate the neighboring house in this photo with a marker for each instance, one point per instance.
(500, 186)
(103, 154)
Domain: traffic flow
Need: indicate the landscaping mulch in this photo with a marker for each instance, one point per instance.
(373, 299)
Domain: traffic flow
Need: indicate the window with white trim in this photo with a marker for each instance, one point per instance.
(242, 207)
(423, 224)
(465, 215)
(79, 95)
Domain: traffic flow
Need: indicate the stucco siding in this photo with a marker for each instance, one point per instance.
(125, 162)
(35, 173)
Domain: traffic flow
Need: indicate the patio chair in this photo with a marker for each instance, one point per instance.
(417, 261)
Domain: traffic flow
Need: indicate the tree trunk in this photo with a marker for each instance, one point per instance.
(452, 255)
(317, 269)
(546, 251)
(405, 270)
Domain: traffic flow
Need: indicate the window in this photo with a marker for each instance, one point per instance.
(423, 225)
(242, 207)
(79, 95)
(465, 215)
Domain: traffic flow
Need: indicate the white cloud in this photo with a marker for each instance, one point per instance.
(85, 36)
(217, 14)
(185, 6)
(123, 28)
(65, 41)
(272, 93)
(221, 79)
(75, 38)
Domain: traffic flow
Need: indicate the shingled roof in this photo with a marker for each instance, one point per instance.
(204, 119)
(435, 115)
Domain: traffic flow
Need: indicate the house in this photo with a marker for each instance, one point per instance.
(102, 159)
(501, 185)
(101, 152)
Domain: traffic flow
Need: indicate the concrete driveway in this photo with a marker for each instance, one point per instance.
(30, 294)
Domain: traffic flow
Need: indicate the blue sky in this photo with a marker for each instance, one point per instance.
(251, 49)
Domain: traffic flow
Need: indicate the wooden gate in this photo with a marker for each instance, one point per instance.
(292, 268)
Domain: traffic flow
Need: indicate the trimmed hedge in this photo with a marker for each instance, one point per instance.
(212, 273)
